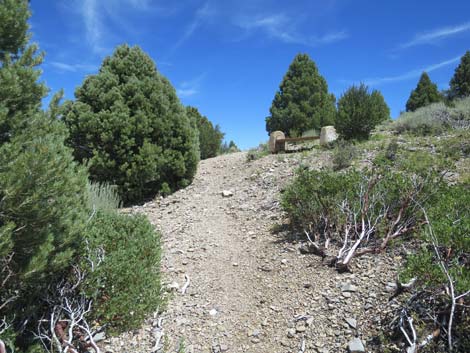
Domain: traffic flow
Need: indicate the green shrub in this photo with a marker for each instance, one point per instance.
(302, 101)
(359, 112)
(435, 118)
(125, 287)
(103, 197)
(455, 147)
(131, 130)
(343, 155)
(313, 197)
(315, 200)
(447, 235)
(43, 211)
(449, 218)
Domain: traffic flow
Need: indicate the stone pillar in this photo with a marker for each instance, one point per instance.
(275, 135)
(328, 134)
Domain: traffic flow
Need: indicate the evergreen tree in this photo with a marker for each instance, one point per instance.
(425, 93)
(14, 15)
(302, 102)
(460, 82)
(129, 127)
(210, 137)
(20, 93)
(42, 190)
(360, 111)
(230, 147)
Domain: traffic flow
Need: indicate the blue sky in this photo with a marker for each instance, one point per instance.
(227, 58)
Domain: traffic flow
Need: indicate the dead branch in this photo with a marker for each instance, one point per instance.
(65, 328)
(403, 287)
(186, 285)
(4, 325)
(158, 332)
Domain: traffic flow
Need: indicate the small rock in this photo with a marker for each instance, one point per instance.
(266, 268)
(309, 321)
(213, 312)
(173, 286)
(255, 340)
(223, 348)
(355, 345)
(300, 327)
(235, 264)
(347, 294)
(291, 333)
(351, 322)
(348, 287)
(227, 193)
(284, 261)
(100, 336)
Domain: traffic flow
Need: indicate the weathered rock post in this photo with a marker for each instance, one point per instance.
(328, 134)
(275, 135)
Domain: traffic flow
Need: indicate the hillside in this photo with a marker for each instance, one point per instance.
(250, 287)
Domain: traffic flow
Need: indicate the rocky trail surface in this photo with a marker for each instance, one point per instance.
(250, 287)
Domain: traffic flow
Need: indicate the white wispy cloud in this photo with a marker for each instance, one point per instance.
(96, 15)
(190, 88)
(201, 15)
(61, 66)
(93, 24)
(436, 35)
(183, 93)
(282, 27)
(410, 74)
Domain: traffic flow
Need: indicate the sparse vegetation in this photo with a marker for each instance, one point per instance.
(258, 152)
(435, 118)
(344, 153)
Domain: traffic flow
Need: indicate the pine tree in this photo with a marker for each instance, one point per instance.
(360, 111)
(42, 190)
(302, 102)
(20, 93)
(425, 93)
(210, 137)
(460, 82)
(129, 127)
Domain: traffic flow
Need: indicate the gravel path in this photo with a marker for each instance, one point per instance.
(250, 289)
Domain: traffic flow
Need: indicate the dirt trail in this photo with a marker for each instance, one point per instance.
(250, 289)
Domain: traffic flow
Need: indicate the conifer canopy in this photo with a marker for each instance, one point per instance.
(359, 111)
(460, 82)
(302, 102)
(129, 127)
(210, 136)
(425, 93)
